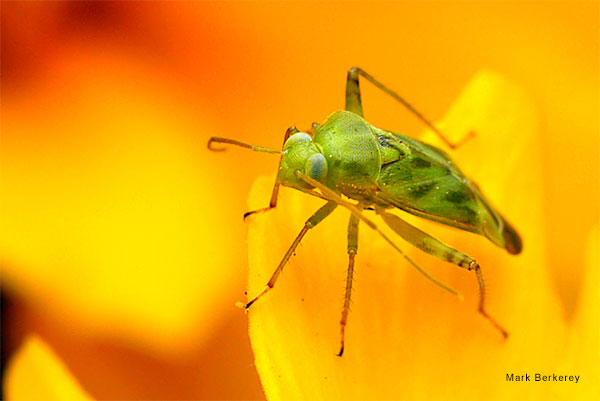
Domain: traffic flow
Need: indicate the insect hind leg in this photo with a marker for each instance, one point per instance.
(437, 248)
(353, 100)
(475, 266)
(354, 104)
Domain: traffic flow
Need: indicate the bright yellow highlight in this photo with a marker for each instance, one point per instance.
(36, 373)
(406, 338)
(105, 211)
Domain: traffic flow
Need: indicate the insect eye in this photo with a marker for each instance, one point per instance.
(316, 167)
(296, 138)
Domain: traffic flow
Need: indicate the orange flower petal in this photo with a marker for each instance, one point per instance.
(105, 223)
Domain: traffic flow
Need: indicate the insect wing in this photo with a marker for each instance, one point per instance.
(424, 181)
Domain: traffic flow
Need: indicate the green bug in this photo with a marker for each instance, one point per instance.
(382, 170)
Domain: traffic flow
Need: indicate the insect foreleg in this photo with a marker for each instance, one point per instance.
(432, 246)
(273, 203)
(354, 103)
(352, 249)
(315, 219)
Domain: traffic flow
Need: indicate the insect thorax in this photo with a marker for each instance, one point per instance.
(352, 154)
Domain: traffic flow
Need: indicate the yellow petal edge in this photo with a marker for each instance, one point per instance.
(35, 372)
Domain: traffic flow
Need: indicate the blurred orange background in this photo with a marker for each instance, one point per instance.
(122, 243)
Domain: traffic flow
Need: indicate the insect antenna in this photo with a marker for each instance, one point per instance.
(216, 139)
(332, 195)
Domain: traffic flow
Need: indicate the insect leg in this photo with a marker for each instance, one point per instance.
(273, 203)
(354, 104)
(333, 196)
(432, 246)
(352, 249)
(353, 101)
(315, 219)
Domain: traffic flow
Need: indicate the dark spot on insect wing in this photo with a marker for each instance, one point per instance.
(469, 213)
(421, 190)
(457, 197)
(417, 162)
